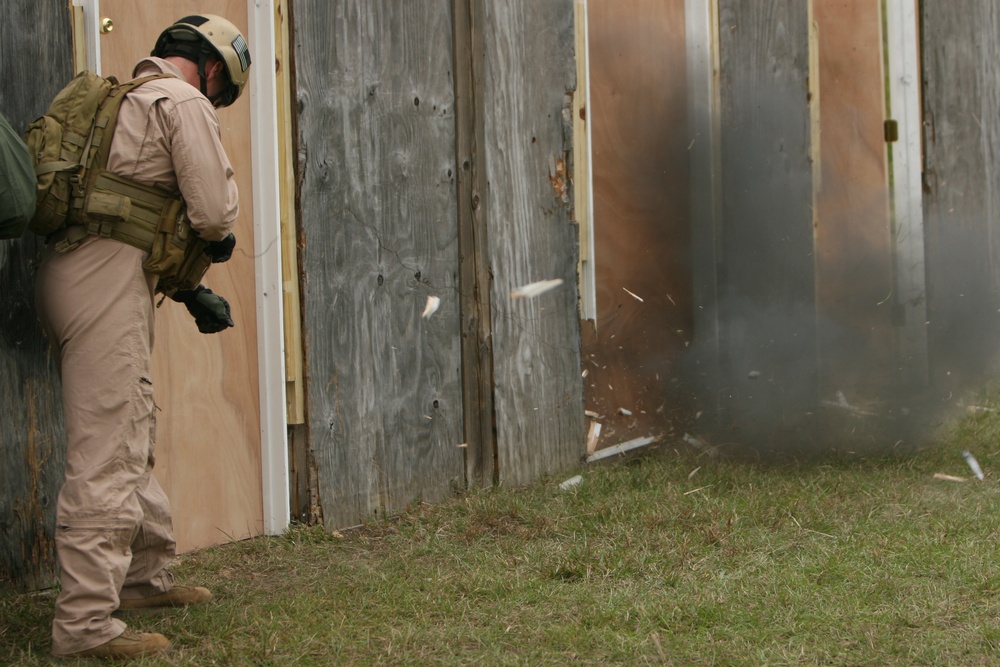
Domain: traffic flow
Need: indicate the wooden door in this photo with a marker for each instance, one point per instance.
(642, 229)
(854, 262)
(208, 424)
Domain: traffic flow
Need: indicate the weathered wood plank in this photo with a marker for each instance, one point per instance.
(536, 342)
(377, 154)
(36, 64)
(961, 64)
(767, 285)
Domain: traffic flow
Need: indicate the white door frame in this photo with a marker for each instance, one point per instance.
(267, 241)
(583, 181)
(902, 60)
(704, 132)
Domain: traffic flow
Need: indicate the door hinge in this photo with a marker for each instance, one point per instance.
(891, 131)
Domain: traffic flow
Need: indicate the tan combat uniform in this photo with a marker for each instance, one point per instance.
(113, 527)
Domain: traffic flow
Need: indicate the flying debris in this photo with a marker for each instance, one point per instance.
(571, 482)
(622, 448)
(433, 303)
(534, 289)
(634, 296)
(691, 440)
(948, 478)
(973, 465)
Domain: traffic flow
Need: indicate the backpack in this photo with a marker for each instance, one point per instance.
(17, 183)
(64, 142)
(77, 196)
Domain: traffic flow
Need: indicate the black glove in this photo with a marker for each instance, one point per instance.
(210, 311)
(221, 251)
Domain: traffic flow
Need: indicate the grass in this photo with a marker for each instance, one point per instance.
(662, 559)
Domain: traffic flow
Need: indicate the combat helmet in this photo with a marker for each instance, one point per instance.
(201, 36)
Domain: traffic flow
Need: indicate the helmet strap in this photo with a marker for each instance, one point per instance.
(203, 78)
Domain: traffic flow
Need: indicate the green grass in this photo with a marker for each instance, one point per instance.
(663, 559)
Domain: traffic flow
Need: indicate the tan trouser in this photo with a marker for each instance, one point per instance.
(113, 527)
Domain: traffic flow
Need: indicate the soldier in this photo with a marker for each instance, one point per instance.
(114, 537)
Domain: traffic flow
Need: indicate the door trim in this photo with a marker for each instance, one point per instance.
(906, 188)
(267, 239)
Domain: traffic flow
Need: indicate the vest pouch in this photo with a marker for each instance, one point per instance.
(178, 253)
(107, 206)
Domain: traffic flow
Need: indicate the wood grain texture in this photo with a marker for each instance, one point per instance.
(767, 285)
(642, 221)
(37, 63)
(961, 64)
(474, 266)
(208, 426)
(530, 74)
(378, 211)
(854, 281)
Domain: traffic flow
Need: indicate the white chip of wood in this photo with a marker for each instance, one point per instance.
(433, 303)
(534, 289)
(592, 435)
(571, 482)
(634, 296)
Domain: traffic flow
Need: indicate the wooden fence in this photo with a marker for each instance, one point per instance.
(434, 149)
(434, 160)
(434, 145)
(35, 49)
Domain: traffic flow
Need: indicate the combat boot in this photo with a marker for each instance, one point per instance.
(129, 644)
(178, 596)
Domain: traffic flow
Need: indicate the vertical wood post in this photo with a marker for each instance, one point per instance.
(474, 273)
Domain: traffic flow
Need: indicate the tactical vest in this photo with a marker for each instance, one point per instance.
(78, 197)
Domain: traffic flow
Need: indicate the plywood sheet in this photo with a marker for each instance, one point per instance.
(378, 210)
(208, 426)
(539, 412)
(961, 58)
(767, 263)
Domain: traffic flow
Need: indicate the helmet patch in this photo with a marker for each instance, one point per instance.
(242, 52)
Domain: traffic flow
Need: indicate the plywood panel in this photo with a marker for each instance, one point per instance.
(208, 427)
(36, 64)
(528, 132)
(641, 216)
(377, 163)
(854, 286)
(767, 262)
(961, 59)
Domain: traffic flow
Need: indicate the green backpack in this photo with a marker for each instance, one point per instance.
(17, 183)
